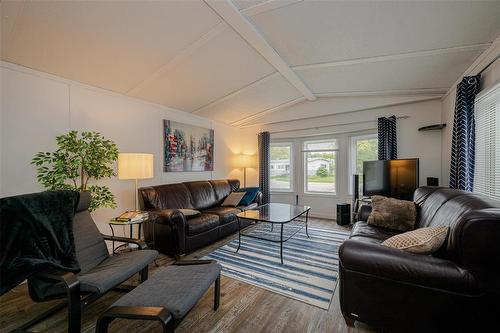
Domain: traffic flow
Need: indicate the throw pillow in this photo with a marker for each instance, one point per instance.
(392, 213)
(233, 199)
(190, 213)
(250, 194)
(422, 241)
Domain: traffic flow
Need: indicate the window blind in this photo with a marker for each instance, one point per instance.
(487, 159)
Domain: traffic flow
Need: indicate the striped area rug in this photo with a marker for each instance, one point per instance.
(310, 268)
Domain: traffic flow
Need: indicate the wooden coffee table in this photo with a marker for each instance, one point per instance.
(282, 215)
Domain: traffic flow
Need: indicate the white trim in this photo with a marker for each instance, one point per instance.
(395, 56)
(291, 189)
(260, 114)
(422, 99)
(268, 6)
(481, 61)
(353, 154)
(336, 151)
(29, 71)
(247, 30)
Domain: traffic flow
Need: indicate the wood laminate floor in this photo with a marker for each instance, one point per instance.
(244, 308)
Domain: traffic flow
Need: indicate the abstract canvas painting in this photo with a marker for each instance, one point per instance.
(187, 147)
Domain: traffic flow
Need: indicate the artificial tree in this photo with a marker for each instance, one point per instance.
(78, 163)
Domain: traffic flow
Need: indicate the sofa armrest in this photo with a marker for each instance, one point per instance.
(176, 220)
(404, 267)
(363, 213)
(258, 199)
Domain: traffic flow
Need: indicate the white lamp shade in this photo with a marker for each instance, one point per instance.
(245, 161)
(135, 166)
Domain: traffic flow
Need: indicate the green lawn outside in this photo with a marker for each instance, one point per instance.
(318, 179)
(312, 179)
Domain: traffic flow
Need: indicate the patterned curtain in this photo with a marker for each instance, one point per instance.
(387, 141)
(462, 144)
(264, 139)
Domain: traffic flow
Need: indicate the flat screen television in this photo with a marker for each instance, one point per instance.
(393, 178)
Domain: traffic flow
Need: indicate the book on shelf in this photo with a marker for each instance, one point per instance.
(129, 217)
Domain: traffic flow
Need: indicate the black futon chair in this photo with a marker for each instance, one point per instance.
(99, 273)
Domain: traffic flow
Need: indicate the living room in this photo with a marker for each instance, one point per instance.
(232, 166)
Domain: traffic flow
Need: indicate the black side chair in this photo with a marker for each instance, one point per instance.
(100, 272)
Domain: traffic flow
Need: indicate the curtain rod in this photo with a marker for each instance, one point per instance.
(491, 62)
(343, 124)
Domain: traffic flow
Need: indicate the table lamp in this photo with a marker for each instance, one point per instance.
(135, 166)
(245, 161)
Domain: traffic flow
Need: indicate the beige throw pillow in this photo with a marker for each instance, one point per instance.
(392, 213)
(233, 199)
(422, 241)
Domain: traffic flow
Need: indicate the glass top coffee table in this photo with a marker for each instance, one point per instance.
(286, 217)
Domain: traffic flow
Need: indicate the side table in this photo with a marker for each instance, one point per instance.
(131, 235)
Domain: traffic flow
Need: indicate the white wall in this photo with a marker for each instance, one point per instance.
(36, 107)
(411, 143)
(488, 78)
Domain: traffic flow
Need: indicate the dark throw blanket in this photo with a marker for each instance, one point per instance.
(36, 231)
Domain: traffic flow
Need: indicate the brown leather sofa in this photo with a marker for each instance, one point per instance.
(456, 289)
(174, 234)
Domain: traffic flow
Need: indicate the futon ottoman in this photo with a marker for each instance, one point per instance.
(167, 296)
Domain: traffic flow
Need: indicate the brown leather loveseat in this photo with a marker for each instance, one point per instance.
(173, 232)
(455, 290)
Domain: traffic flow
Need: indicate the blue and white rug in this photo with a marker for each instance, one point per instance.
(310, 269)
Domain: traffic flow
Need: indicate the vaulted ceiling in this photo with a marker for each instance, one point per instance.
(244, 62)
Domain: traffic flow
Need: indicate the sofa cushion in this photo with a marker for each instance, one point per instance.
(203, 194)
(371, 234)
(226, 214)
(422, 240)
(393, 213)
(202, 223)
(222, 189)
(169, 196)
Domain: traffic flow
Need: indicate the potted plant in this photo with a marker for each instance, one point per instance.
(78, 163)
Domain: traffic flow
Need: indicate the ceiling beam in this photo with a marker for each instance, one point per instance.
(266, 112)
(380, 106)
(395, 56)
(268, 6)
(229, 13)
(426, 94)
(390, 93)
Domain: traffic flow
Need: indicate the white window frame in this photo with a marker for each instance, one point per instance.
(304, 163)
(292, 169)
(353, 153)
(487, 156)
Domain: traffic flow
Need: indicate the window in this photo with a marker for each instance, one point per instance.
(320, 161)
(363, 148)
(281, 167)
(487, 157)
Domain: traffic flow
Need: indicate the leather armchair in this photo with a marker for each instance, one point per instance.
(455, 289)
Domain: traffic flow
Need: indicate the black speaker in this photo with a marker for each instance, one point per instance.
(432, 181)
(355, 187)
(343, 213)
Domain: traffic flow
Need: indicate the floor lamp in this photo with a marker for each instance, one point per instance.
(135, 166)
(245, 161)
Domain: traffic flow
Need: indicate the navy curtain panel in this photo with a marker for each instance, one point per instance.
(264, 140)
(387, 141)
(462, 142)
